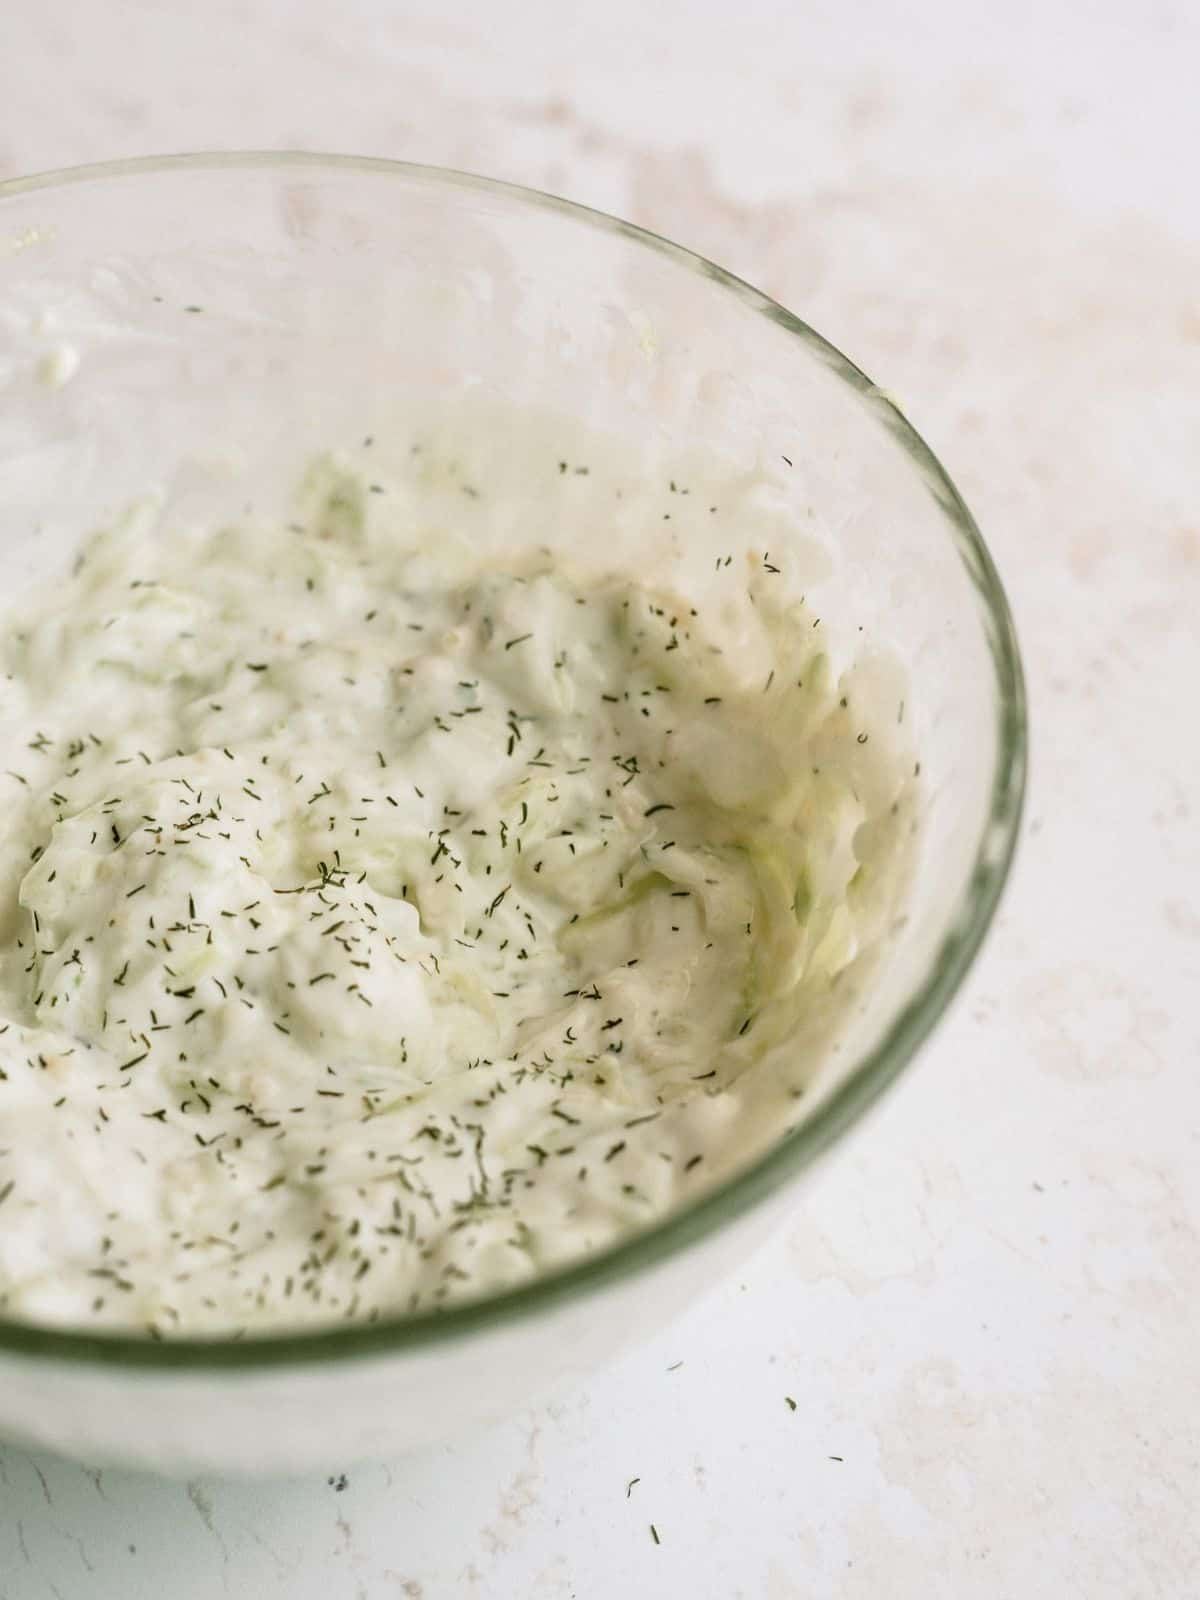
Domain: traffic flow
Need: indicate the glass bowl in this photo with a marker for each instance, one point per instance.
(206, 324)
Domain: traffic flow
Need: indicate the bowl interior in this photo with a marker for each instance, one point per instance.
(201, 328)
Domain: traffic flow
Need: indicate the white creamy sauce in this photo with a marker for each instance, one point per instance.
(382, 925)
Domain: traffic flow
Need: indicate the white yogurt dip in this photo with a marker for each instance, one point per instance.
(380, 927)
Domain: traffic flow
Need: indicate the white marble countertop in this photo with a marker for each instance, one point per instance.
(988, 1314)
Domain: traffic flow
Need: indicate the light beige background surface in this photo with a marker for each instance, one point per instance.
(989, 1314)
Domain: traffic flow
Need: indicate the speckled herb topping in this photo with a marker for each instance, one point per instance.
(375, 932)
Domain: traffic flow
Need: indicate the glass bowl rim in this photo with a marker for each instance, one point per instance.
(871, 1075)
